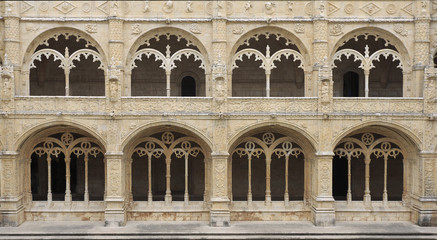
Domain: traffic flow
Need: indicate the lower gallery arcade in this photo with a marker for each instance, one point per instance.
(166, 173)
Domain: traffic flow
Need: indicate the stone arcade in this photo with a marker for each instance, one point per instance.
(218, 111)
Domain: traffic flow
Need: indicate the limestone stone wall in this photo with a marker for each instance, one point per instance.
(269, 87)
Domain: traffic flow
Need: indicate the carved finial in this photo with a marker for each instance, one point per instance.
(167, 52)
(67, 54)
(366, 52)
(268, 51)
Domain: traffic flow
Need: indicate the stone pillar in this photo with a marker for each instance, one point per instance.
(11, 200)
(426, 207)
(323, 212)
(421, 45)
(12, 56)
(219, 215)
(115, 212)
(115, 78)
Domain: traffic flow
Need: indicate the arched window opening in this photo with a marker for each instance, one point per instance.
(161, 59)
(66, 65)
(168, 166)
(351, 84)
(67, 167)
(188, 87)
(267, 167)
(378, 60)
(368, 167)
(268, 65)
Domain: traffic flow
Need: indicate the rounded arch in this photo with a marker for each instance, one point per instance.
(134, 138)
(158, 31)
(279, 32)
(304, 138)
(375, 31)
(54, 33)
(394, 130)
(43, 128)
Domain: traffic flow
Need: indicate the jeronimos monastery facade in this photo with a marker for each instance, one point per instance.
(218, 111)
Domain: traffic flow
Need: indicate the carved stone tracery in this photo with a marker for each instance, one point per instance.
(267, 145)
(367, 145)
(168, 146)
(67, 144)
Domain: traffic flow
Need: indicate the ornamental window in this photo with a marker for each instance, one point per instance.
(160, 60)
(67, 65)
(378, 65)
(268, 65)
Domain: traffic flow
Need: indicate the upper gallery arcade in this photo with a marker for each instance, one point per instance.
(218, 111)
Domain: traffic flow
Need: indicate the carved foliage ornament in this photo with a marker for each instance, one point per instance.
(268, 145)
(267, 61)
(367, 61)
(168, 60)
(66, 61)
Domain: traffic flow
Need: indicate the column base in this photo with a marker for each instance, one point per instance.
(427, 218)
(115, 214)
(323, 218)
(323, 212)
(11, 216)
(220, 215)
(426, 212)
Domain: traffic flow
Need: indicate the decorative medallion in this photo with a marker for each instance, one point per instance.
(332, 8)
(270, 7)
(309, 8)
(229, 8)
(168, 6)
(370, 8)
(349, 8)
(391, 9)
(44, 6)
(194, 28)
(91, 28)
(399, 28)
(208, 7)
(65, 7)
(136, 29)
(104, 7)
(299, 28)
(336, 30)
(86, 7)
(26, 6)
(408, 9)
(238, 30)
